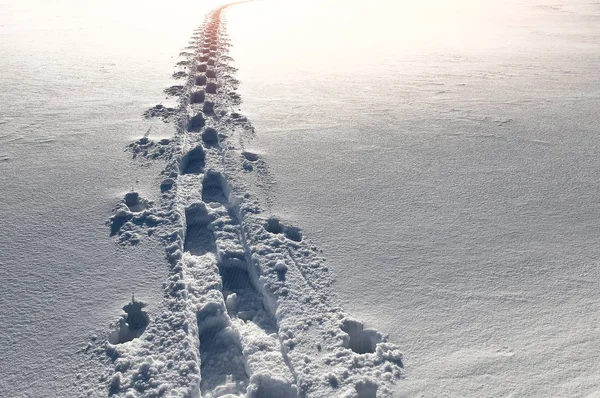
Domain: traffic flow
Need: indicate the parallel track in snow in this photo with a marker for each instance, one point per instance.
(249, 309)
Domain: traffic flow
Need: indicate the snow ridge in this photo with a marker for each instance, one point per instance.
(249, 309)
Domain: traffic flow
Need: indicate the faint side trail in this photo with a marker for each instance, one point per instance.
(249, 310)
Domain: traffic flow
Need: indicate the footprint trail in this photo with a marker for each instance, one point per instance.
(249, 309)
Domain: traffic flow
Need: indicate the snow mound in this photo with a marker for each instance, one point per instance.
(149, 149)
(160, 111)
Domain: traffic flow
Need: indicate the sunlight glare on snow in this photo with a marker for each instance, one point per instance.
(405, 23)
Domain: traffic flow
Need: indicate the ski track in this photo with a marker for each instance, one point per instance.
(248, 308)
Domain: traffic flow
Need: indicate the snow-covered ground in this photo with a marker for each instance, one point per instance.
(443, 157)
(228, 300)
(249, 310)
(75, 78)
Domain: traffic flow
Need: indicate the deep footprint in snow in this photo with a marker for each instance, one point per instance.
(242, 298)
(193, 161)
(132, 324)
(223, 366)
(211, 88)
(210, 136)
(197, 122)
(134, 202)
(275, 226)
(199, 239)
(209, 107)
(360, 340)
(214, 188)
(250, 156)
(366, 389)
(128, 209)
(197, 97)
(249, 160)
(200, 80)
(167, 184)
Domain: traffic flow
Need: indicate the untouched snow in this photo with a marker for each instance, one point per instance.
(445, 157)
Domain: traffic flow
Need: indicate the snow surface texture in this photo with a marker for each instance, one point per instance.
(249, 306)
(447, 155)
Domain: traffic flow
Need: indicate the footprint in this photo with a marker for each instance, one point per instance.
(167, 184)
(132, 324)
(161, 111)
(193, 162)
(222, 363)
(247, 303)
(197, 97)
(200, 80)
(210, 136)
(211, 88)
(179, 75)
(147, 148)
(360, 340)
(275, 226)
(196, 122)
(209, 106)
(214, 188)
(366, 389)
(134, 202)
(252, 157)
(199, 239)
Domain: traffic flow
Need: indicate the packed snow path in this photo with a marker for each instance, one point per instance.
(249, 310)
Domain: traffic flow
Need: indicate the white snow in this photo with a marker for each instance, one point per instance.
(444, 156)
(75, 78)
(160, 237)
(248, 308)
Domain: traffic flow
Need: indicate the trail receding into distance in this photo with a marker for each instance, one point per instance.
(249, 310)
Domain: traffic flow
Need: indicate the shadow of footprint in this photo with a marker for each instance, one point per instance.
(132, 324)
(275, 226)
